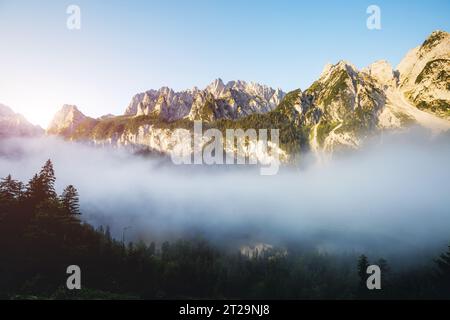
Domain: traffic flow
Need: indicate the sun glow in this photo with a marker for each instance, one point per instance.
(39, 99)
(36, 109)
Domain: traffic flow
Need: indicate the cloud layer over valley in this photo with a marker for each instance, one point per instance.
(395, 192)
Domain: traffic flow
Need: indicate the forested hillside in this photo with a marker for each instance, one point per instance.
(41, 233)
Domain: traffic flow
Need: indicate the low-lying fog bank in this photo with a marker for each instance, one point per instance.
(389, 197)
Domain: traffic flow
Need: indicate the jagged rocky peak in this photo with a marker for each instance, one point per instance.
(165, 103)
(216, 88)
(382, 72)
(345, 65)
(167, 92)
(436, 46)
(143, 103)
(218, 100)
(344, 75)
(425, 75)
(277, 97)
(341, 67)
(66, 120)
(339, 104)
(203, 107)
(132, 107)
(326, 70)
(436, 38)
(335, 77)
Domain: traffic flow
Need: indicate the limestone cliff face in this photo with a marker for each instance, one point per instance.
(337, 112)
(342, 106)
(66, 120)
(425, 75)
(346, 105)
(181, 142)
(233, 100)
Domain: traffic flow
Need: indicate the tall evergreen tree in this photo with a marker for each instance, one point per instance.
(10, 189)
(47, 180)
(70, 200)
(41, 187)
(33, 189)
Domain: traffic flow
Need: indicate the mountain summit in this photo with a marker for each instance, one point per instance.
(425, 75)
(233, 100)
(66, 120)
(338, 111)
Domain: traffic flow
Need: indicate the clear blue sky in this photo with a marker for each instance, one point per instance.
(125, 47)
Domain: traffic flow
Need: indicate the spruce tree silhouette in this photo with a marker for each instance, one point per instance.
(47, 180)
(10, 189)
(70, 200)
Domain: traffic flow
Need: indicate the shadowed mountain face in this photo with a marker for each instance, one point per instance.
(13, 124)
(337, 112)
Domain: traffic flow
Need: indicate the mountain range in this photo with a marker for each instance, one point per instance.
(233, 100)
(338, 111)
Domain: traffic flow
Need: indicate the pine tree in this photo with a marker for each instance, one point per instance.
(10, 189)
(70, 200)
(32, 189)
(47, 180)
(41, 187)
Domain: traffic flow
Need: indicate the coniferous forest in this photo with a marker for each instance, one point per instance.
(41, 233)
